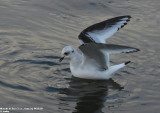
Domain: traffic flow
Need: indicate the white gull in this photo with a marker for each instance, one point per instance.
(94, 62)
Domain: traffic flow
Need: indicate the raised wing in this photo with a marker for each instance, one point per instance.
(100, 32)
(97, 53)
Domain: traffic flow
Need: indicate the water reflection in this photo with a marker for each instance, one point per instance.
(50, 63)
(89, 95)
(18, 87)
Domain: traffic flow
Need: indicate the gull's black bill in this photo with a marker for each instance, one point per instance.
(61, 59)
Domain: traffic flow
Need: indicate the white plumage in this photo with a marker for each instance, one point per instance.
(94, 61)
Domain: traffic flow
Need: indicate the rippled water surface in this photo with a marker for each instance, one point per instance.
(32, 34)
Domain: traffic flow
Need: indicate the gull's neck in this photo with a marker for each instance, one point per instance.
(76, 59)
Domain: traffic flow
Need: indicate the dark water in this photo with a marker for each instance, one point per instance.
(32, 34)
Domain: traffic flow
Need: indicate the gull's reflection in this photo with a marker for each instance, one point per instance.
(89, 95)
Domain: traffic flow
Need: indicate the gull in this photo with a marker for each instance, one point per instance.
(94, 62)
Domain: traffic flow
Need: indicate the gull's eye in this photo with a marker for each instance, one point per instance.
(66, 53)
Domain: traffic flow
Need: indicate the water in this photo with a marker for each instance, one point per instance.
(32, 34)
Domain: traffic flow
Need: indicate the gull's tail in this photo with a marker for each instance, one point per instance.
(115, 68)
(127, 62)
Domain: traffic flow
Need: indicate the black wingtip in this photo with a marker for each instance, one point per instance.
(128, 16)
(138, 50)
(125, 16)
(127, 62)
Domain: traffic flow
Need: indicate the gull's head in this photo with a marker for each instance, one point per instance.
(67, 52)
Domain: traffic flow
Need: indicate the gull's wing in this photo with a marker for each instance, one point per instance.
(97, 53)
(100, 32)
